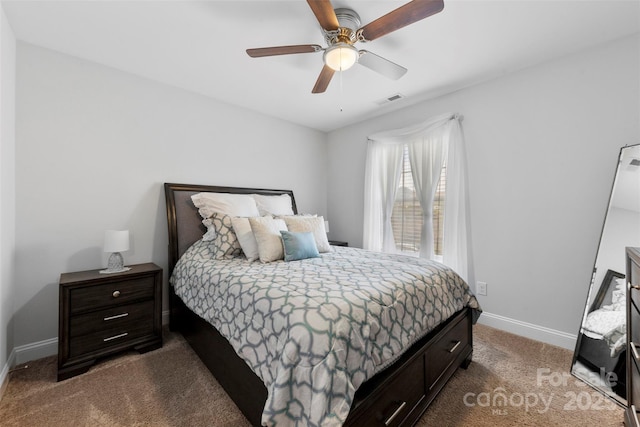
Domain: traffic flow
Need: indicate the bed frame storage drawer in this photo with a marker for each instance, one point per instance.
(408, 387)
(400, 397)
(445, 351)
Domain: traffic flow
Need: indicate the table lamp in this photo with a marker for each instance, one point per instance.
(116, 241)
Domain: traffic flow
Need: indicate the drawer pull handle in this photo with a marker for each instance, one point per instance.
(116, 294)
(117, 316)
(454, 347)
(634, 350)
(115, 337)
(395, 414)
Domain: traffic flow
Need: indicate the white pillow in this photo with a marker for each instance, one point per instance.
(266, 230)
(313, 224)
(274, 205)
(247, 240)
(225, 203)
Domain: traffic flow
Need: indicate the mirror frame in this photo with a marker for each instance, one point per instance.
(599, 296)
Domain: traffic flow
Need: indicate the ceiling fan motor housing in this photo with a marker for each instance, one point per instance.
(349, 22)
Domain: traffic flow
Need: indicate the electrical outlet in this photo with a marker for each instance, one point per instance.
(481, 288)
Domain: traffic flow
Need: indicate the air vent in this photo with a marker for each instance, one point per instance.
(392, 98)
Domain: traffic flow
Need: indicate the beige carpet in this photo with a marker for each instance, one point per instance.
(171, 387)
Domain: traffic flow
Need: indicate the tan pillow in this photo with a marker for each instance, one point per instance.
(266, 230)
(314, 224)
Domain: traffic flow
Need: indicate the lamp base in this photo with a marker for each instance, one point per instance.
(107, 271)
(115, 265)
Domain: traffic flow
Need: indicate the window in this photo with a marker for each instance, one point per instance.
(406, 217)
(393, 225)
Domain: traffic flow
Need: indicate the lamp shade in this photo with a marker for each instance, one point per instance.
(116, 240)
(341, 56)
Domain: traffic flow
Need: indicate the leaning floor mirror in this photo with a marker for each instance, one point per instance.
(600, 356)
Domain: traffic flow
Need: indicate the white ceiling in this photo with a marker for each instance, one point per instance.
(200, 46)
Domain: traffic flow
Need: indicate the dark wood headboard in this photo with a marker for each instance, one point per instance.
(184, 221)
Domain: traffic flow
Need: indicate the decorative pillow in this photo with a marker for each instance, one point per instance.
(299, 245)
(267, 233)
(225, 242)
(226, 203)
(312, 224)
(211, 230)
(247, 240)
(274, 205)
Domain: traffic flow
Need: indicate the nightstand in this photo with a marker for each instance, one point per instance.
(338, 243)
(102, 314)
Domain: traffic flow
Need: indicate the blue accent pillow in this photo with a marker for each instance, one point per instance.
(299, 245)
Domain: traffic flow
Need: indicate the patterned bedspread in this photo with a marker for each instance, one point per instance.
(315, 330)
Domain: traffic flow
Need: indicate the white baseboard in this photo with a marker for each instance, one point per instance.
(4, 375)
(529, 330)
(36, 350)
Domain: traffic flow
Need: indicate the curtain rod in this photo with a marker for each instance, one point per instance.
(444, 118)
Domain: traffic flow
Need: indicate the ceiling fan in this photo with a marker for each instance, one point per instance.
(341, 28)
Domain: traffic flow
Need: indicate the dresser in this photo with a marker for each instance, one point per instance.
(633, 337)
(103, 314)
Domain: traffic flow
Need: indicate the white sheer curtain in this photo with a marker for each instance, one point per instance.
(430, 144)
(382, 174)
(426, 156)
(456, 251)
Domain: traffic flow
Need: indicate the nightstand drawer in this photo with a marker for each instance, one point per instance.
(117, 317)
(634, 322)
(635, 372)
(110, 337)
(108, 294)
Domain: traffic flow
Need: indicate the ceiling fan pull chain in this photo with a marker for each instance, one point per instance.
(341, 91)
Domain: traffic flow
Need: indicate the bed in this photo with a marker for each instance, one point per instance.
(395, 393)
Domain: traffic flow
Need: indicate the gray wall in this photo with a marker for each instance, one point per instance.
(95, 145)
(7, 189)
(542, 147)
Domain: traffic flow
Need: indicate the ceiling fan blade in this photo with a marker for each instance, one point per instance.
(326, 16)
(323, 80)
(407, 14)
(283, 50)
(381, 65)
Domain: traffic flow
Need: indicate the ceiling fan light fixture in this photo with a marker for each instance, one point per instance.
(341, 56)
